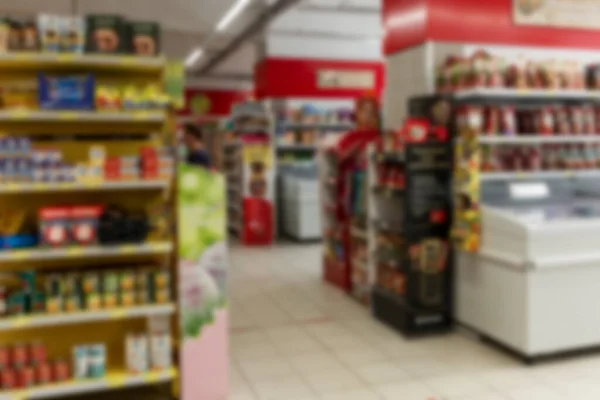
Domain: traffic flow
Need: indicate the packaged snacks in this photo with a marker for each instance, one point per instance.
(43, 373)
(544, 121)
(105, 34)
(96, 361)
(49, 27)
(110, 300)
(80, 362)
(127, 281)
(8, 379)
(19, 356)
(37, 353)
(29, 36)
(577, 120)
(110, 282)
(84, 224)
(72, 34)
(53, 224)
(90, 282)
(127, 299)
(160, 350)
(93, 301)
(136, 353)
(25, 376)
(60, 370)
(108, 98)
(144, 38)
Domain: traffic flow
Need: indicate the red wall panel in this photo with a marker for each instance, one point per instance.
(404, 24)
(286, 77)
(472, 21)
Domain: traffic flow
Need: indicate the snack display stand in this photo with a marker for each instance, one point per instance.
(361, 233)
(335, 227)
(250, 172)
(66, 159)
(412, 193)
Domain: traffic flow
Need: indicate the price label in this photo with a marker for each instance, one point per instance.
(117, 314)
(20, 255)
(65, 57)
(18, 322)
(20, 114)
(74, 251)
(24, 56)
(67, 116)
(115, 381)
(127, 249)
(12, 187)
(126, 60)
(152, 376)
(141, 115)
(20, 395)
(40, 186)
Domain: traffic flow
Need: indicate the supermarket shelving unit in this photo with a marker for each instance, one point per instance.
(535, 264)
(253, 142)
(127, 132)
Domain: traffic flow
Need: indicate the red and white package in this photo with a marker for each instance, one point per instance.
(577, 120)
(561, 120)
(508, 120)
(53, 225)
(544, 121)
(84, 223)
(492, 121)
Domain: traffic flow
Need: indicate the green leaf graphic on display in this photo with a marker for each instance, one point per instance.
(202, 247)
(200, 105)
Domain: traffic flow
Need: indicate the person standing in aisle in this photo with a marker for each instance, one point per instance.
(193, 139)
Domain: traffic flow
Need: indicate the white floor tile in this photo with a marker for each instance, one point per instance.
(334, 380)
(381, 372)
(290, 387)
(405, 391)
(454, 386)
(354, 394)
(294, 337)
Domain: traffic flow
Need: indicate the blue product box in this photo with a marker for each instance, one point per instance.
(74, 92)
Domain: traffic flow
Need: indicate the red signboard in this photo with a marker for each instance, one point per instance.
(286, 77)
(411, 22)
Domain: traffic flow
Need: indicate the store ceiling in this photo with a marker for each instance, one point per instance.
(188, 24)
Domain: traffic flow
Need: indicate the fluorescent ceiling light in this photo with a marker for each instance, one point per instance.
(232, 14)
(193, 57)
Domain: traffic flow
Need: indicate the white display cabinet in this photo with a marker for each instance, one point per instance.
(534, 286)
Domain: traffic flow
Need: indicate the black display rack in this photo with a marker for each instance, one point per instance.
(426, 254)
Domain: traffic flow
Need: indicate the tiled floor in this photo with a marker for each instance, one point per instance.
(295, 338)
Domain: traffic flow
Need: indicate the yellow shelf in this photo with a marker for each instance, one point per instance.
(79, 252)
(113, 380)
(151, 116)
(86, 316)
(90, 62)
(42, 187)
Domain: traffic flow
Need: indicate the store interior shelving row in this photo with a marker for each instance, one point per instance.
(85, 238)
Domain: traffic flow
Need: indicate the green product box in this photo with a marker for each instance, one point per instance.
(144, 38)
(28, 279)
(110, 282)
(54, 285)
(106, 34)
(17, 303)
(38, 301)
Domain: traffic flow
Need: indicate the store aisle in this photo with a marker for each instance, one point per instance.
(296, 338)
